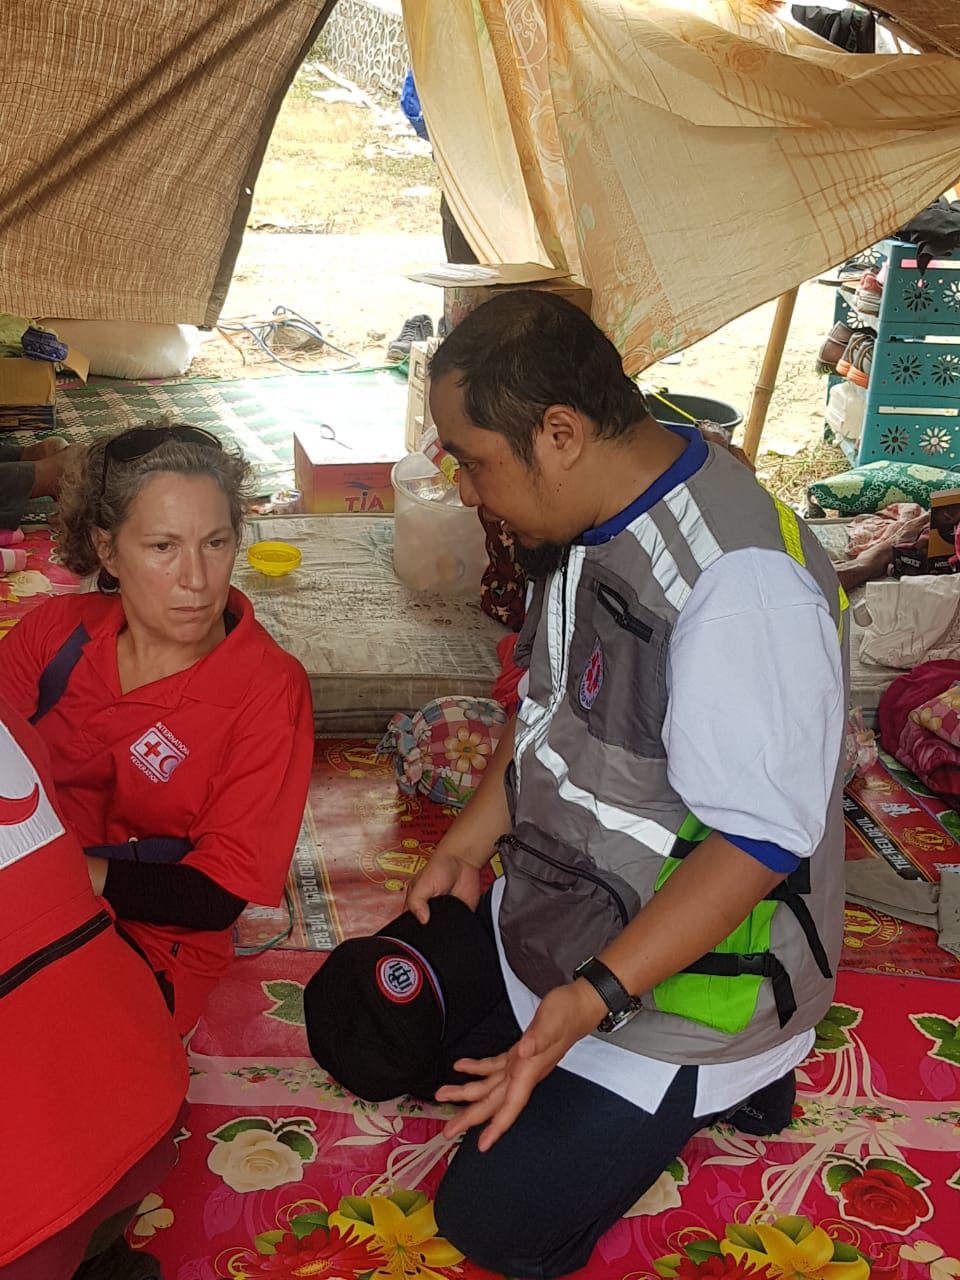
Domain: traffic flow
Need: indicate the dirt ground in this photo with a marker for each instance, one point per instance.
(347, 204)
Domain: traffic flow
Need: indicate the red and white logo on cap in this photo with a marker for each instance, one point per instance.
(399, 979)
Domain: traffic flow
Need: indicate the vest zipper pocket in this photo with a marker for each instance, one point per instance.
(515, 842)
(618, 610)
(53, 951)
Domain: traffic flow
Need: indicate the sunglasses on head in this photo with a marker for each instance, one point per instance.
(139, 441)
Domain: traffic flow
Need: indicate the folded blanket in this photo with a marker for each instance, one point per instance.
(935, 760)
(911, 621)
(940, 715)
(874, 883)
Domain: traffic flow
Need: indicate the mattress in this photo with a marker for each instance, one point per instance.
(370, 645)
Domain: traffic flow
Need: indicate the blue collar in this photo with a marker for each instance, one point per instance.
(689, 462)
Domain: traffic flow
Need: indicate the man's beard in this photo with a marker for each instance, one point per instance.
(540, 561)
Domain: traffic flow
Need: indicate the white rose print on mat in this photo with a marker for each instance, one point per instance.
(257, 1154)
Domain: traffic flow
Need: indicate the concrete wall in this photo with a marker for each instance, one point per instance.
(364, 40)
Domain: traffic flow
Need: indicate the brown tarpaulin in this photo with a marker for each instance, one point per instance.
(131, 134)
(931, 25)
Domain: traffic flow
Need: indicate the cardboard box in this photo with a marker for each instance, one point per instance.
(348, 475)
(418, 394)
(944, 519)
(28, 390)
(466, 285)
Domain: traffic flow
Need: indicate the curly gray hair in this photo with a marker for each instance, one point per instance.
(97, 494)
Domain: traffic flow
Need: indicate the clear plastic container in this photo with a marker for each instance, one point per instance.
(438, 543)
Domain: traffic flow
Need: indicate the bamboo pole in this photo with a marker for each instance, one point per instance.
(767, 380)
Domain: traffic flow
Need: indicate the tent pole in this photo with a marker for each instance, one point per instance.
(767, 380)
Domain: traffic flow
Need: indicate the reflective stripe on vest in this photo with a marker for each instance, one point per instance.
(790, 532)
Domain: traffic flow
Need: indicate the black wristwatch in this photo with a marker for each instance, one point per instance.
(619, 1001)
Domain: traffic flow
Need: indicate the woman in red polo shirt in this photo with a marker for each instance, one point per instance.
(180, 733)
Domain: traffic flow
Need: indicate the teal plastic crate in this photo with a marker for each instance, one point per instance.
(922, 433)
(911, 306)
(913, 401)
(919, 372)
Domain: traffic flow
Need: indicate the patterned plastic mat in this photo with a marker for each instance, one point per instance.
(258, 414)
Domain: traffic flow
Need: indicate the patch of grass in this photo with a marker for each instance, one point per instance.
(341, 168)
(788, 478)
(305, 81)
(410, 171)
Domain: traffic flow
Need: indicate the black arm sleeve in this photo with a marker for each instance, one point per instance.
(169, 894)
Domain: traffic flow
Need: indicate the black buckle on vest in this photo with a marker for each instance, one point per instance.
(790, 892)
(755, 964)
(761, 964)
(764, 964)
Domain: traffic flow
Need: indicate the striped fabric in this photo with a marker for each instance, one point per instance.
(130, 138)
(689, 160)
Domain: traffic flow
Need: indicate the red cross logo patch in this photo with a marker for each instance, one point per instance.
(157, 753)
(591, 681)
(27, 819)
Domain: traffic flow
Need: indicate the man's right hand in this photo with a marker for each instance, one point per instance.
(470, 843)
(444, 874)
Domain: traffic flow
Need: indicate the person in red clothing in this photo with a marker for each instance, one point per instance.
(180, 734)
(94, 1074)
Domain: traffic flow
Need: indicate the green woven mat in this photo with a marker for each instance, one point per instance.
(258, 414)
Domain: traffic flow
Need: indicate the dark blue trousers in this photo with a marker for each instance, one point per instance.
(576, 1158)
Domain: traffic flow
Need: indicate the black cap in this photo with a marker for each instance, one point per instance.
(381, 1010)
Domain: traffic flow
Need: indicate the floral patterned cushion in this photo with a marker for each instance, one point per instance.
(443, 749)
(876, 485)
(941, 715)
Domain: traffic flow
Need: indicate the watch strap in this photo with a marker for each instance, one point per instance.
(619, 1001)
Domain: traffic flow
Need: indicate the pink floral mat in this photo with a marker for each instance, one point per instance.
(361, 843)
(43, 577)
(283, 1174)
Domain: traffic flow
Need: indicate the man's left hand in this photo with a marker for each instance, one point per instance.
(505, 1083)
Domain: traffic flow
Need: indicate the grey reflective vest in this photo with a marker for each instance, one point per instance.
(597, 826)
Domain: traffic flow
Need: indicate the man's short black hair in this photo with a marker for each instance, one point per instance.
(527, 349)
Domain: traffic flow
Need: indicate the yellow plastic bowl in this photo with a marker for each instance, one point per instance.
(274, 558)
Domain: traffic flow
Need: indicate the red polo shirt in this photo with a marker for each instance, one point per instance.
(220, 753)
(94, 1073)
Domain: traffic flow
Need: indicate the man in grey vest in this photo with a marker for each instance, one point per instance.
(666, 806)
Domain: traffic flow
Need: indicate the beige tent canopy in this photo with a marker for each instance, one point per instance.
(930, 25)
(689, 158)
